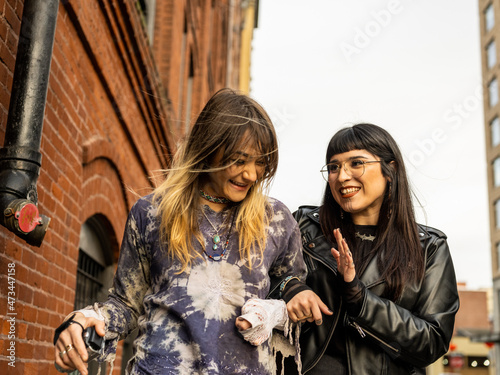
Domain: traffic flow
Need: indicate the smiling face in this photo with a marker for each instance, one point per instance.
(362, 197)
(233, 182)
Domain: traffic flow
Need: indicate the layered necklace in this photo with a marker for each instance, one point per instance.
(216, 238)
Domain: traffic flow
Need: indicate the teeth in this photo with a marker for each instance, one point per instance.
(349, 190)
(239, 184)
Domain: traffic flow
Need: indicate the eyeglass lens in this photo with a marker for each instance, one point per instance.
(354, 168)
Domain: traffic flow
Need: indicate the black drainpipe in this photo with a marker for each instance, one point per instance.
(20, 158)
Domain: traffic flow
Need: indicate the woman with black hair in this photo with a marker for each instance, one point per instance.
(389, 281)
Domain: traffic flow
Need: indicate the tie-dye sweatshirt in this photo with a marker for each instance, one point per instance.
(186, 321)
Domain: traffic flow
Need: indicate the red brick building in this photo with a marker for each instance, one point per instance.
(473, 313)
(125, 80)
(473, 320)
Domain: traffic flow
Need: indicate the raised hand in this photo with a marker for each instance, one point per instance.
(343, 256)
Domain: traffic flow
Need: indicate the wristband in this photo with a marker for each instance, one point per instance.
(75, 322)
(284, 282)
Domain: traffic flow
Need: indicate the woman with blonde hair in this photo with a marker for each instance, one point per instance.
(204, 243)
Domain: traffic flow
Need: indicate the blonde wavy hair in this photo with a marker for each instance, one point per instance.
(228, 121)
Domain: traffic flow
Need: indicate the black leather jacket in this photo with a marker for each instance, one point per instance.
(386, 337)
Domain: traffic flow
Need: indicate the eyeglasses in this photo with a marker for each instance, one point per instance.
(354, 168)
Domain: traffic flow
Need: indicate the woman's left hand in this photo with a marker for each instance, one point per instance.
(343, 256)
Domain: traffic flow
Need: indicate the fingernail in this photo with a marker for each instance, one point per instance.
(319, 322)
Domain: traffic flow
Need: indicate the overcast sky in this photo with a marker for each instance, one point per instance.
(412, 67)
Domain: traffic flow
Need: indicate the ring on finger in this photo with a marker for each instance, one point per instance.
(61, 354)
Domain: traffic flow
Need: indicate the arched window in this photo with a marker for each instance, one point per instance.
(95, 262)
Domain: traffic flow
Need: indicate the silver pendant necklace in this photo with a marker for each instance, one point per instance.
(216, 239)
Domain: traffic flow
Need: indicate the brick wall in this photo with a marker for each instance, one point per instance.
(113, 115)
(473, 313)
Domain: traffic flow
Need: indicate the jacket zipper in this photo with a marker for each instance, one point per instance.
(319, 260)
(360, 330)
(355, 325)
(363, 334)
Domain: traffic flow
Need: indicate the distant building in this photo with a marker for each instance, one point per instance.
(489, 21)
(465, 356)
(127, 78)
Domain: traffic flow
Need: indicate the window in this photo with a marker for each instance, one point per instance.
(495, 132)
(498, 255)
(491, 52)
(88, 281)
(497, 214)
(496, 172)
(489, 17)
(95, 268)
(493, 90)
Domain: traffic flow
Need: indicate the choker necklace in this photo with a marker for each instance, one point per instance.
(209, 198)
(216, 239)
(365, 237)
